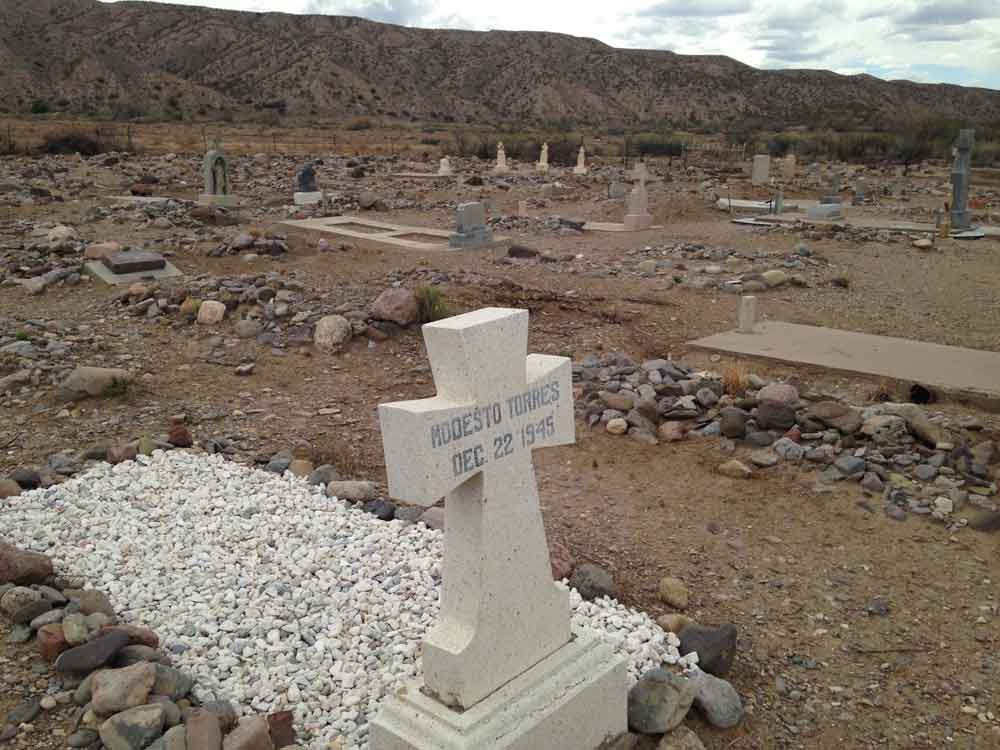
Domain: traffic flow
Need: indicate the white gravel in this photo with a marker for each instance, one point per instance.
(271, 594)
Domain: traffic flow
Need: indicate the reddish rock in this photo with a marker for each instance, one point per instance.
(180, 436)
(137, 635)
(281, 729)
(203, 731)
(23, 567)
(794, 434)
(251, 733)
(398, 305)
(561, 560)
(51, 641)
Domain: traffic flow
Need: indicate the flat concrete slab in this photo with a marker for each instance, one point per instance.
(608, 226)
(971, 374)
(874, 223)
(102, 273)
(395, 235)
(141, 200)
(738, 204)
(426, 175)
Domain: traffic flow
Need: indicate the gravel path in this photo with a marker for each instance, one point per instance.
(273, 595)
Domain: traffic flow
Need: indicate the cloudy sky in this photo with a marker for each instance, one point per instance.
(950, 41)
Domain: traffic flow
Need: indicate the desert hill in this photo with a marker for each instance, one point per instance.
(150, 59)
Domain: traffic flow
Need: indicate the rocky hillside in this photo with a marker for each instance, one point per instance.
(136, 58)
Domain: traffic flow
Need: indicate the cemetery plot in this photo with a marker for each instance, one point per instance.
(395, 235)
(965, 373)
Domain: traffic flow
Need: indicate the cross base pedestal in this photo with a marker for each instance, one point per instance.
(307, 199)
(574, 699)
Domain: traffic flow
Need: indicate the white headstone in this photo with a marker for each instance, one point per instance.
(444, 168)
(761, 173)
(748, 314)
(501, 669)
(543, 159)
(788, 165)
(581, 162)
(637, 214)
(501, 165)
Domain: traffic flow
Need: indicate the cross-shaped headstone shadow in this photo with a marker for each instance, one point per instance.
(501, 612)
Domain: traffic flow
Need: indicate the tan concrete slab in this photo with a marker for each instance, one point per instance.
(608, 226)
(395, 235)
(972, 374)
(868, 223)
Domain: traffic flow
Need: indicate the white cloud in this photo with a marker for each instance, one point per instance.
(955, 41)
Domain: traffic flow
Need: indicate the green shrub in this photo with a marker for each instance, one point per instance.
(39, 107)
(431, 305)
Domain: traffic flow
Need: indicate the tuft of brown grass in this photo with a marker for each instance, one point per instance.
(735, 378)
(844, 282)
(882, 393)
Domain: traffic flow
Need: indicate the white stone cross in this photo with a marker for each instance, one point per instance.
(501, 612)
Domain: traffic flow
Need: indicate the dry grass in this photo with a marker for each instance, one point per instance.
(735, 378)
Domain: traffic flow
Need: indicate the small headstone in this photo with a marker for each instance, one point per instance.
(543, 159)
(581, 163)
(215, 172)
(306, 179)
(779, 202)
(134, 262)
(832, 196)
(637, 215)
(748, 314)
(616, 190)
(307, 194)
(761, 173)
(960, 217)
(788, 166)
(501, 166)
(444, 167)
(471, 231)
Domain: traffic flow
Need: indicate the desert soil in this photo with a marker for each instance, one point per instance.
(795, 567)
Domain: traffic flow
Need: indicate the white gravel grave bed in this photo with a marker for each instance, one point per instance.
(271, 594)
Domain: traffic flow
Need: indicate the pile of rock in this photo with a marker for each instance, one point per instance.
(271, 244)
(894, 450)
(113, 682)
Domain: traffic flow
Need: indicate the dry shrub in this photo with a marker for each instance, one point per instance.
(736, 378)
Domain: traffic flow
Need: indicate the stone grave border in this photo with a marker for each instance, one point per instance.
(386, 233)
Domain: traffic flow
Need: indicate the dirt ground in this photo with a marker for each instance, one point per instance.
(796, 567)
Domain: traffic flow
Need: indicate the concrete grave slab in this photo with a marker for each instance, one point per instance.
(964, 373)
(101, 272)
(394, 235)
(141, 200)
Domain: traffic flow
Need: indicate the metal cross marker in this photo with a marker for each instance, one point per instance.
(501, 612)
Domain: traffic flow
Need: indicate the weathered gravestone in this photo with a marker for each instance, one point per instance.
(761, 172)
(471, 231)
(581, 162)
(307, 193)
(788, 165)
(637, 214)
(960, 218)
(444, 167)
(543, 159)
(501, 166)
(501, 669)
(215, 172)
